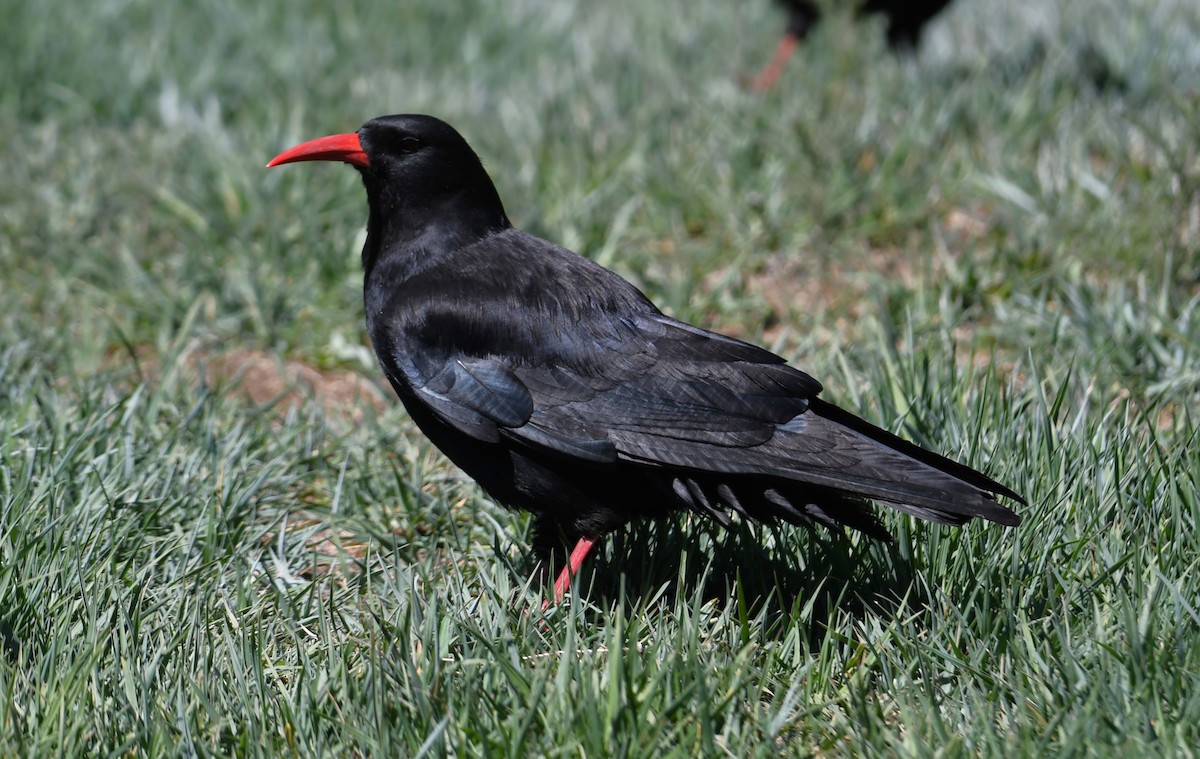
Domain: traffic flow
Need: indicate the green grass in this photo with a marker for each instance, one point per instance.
(993, 249)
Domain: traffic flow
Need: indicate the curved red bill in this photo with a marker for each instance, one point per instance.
(336, 147)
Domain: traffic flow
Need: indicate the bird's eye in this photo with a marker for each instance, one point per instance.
(409, 144)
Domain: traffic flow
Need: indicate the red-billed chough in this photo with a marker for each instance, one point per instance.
(906, 19)
(562, 390)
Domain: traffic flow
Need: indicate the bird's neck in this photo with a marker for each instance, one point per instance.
(409, 229)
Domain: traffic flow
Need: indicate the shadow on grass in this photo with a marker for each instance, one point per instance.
(10, 646)
(784, 574)
(1089, 69)
(18, 624)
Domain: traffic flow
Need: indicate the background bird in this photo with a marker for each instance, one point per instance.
(561, 389)
(905, 22)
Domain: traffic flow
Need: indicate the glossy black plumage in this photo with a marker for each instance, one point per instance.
(905, 23)
(905, 20)
(562, 390)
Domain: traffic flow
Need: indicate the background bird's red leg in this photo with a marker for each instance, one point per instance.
(765, 78)
(578, 554)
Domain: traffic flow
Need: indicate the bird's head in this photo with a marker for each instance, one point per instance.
(385, 144)
(420, 175)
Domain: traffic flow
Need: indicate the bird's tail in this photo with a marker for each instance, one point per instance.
(912, 479)
(870, 463)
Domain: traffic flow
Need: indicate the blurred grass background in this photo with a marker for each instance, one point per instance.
(220, 536)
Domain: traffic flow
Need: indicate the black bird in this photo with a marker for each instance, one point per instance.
(562, 390)
(906, 19)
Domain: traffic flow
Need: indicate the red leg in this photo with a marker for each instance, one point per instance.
(579, 553)
(765, 78)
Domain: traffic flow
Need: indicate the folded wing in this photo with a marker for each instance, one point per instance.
(671, 396)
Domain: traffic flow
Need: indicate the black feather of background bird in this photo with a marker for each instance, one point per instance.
(561, 389)
(905, 23)
(906, 19)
